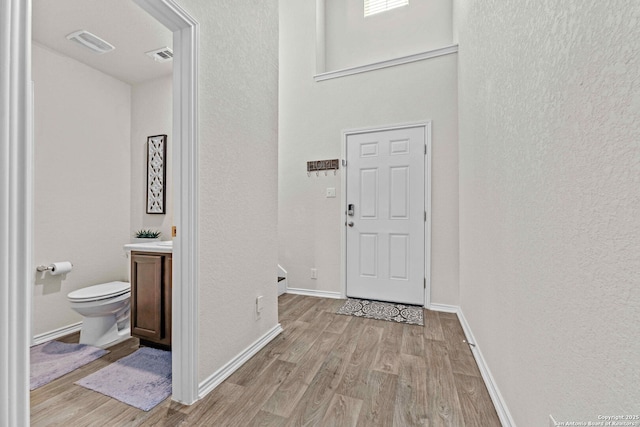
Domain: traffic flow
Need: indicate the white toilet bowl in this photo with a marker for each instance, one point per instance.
(105, 312)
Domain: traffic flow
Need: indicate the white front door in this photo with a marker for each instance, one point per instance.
(386, 215)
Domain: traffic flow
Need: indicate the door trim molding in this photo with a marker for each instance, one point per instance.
(185, 179)
(427, 200)
(16, 208)
(16, 214)
(427, 208)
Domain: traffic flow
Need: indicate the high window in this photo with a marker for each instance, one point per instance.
(371, 7)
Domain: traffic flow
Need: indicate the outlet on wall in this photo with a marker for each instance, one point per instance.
(259, 304)
(314, 273)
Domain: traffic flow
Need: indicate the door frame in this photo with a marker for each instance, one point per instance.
(16, 190)
(184, 346)
(16, 173)
(427, 201)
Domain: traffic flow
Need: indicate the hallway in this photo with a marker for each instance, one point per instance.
(324, 369)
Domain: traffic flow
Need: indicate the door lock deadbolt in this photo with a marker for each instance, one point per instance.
(351, 210)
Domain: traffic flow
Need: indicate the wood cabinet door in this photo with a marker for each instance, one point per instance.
(146, 296)
(168, 297)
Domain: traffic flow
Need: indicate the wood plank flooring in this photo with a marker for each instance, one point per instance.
(325, 369)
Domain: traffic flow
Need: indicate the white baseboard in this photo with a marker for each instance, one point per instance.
(444, 308)
(492, 387)
(315, 293)
(282, 286)
(498, 402)
(230, 367)
(56, 333)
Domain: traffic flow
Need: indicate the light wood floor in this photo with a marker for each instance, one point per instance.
(323, 370)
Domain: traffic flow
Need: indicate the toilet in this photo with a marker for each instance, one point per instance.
(105, 312)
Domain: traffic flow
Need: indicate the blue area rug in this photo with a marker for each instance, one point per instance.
(54, 359)
(142, 379)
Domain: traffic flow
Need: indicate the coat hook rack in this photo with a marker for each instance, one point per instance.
(323, 165)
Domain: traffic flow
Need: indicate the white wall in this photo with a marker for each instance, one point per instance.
(550, 202)
(151, 114)
(82, 181)
(352, 40)
(238, 115)
(312, 118)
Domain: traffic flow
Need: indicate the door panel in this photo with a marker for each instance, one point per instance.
(369, 150)
(399, 197)
(385, 243)
(399, 256)
(146, 296)
(369, 193)
(399, 146)
(368, 255)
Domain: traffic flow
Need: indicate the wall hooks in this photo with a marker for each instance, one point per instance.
(323, 165)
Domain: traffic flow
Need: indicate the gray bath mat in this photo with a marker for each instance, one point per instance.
(142, 379)
(400, 313)
(54, 359)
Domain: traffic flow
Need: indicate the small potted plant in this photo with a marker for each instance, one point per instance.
(142, 236)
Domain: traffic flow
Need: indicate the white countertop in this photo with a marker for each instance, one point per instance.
(165, 246)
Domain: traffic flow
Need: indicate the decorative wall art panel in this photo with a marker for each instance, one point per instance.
(156, 173)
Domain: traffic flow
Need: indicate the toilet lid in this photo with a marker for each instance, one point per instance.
(101, 291)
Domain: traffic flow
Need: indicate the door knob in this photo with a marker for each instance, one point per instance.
(350, 223)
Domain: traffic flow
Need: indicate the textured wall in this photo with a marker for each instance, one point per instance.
(82, 181)
(550, 202)
(312, 118)
(238, 114)
(151, 114)
(352, 40)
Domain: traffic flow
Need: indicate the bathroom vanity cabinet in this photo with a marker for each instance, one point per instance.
(151, 298)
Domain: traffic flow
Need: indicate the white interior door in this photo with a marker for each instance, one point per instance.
(386, 215)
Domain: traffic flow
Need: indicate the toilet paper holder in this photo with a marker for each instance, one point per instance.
(47, 267)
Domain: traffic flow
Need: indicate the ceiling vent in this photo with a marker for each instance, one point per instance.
(91, 41)
(161, 55)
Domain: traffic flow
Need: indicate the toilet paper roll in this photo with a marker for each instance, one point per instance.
(62, 267)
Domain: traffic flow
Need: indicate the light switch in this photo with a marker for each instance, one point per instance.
(331, 192)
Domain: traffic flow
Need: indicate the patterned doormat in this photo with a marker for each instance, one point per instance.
(411, 314)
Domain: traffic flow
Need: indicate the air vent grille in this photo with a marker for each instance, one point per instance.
(91, 41)
(161, 55)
